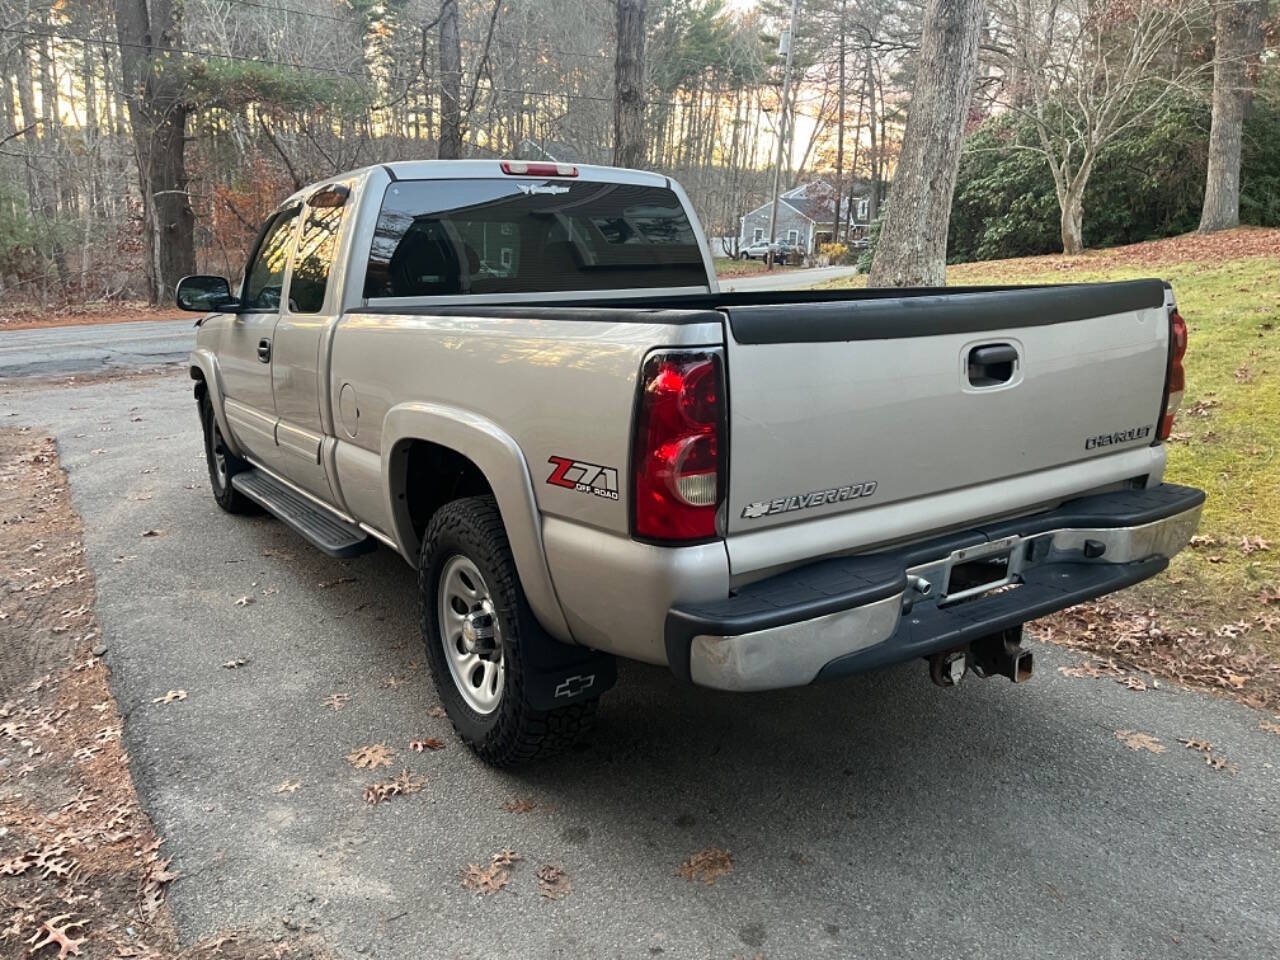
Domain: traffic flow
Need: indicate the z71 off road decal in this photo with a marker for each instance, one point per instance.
(765, 508)
(584, 477)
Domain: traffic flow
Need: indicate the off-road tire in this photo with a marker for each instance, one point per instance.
(228, 497)
(514, 732)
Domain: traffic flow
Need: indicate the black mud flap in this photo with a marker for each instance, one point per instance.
(557, 674)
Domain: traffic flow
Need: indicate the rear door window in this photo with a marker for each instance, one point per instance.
(317, 245)
(510, 236)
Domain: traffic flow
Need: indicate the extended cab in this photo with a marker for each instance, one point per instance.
(523, 378)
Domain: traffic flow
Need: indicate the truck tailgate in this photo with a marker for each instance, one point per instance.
(846, 405)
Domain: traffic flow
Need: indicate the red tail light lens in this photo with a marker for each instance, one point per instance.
(677, 456)
(1177, 381)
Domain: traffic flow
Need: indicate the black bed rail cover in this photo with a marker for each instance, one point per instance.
(918, 313)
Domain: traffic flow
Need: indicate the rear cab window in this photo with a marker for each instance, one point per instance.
(519, 236)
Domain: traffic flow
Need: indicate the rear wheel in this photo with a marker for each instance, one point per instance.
(745, 255)
(223, 464)
(476, 625)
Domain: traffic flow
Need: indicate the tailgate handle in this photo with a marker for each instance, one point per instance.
(992, 364)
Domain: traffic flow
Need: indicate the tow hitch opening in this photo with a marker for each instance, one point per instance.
(1003, 654)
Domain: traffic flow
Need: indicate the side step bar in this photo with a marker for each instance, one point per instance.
(320, 527)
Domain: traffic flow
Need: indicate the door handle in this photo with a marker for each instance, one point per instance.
(264, 350)
(992, 364)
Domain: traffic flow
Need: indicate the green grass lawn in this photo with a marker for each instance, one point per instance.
(1227, 436)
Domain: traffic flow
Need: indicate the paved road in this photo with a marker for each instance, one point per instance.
(875, 817)
(786, 279)
(148, 344)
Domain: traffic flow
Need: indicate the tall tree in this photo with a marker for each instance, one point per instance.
(450, 144)
(1237, 45)
(912, 250)
(1090, 70)
(628, 85)
(158, 111)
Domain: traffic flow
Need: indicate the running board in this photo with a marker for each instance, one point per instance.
(322, 528)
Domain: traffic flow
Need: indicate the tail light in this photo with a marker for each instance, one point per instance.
(678, 452)
(1177, 378)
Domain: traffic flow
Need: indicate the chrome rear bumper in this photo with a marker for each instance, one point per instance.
(852, 614)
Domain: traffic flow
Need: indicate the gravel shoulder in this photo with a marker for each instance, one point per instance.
(875, 817)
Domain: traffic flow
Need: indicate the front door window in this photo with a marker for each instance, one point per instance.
(264, 280)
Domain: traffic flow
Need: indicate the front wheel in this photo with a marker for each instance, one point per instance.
(223, 464)
(476, 626)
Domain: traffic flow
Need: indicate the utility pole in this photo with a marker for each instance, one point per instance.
(784, 128)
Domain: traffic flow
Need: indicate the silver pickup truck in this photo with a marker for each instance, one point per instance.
(523, 378)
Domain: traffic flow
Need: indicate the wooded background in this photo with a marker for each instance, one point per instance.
(143, 139)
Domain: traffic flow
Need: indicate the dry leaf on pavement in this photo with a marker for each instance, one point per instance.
(57, 930)
(375, 755)
(289, 786)
(1220, 763)
(485, 880)
(235, 664)
(1270, 727)
(427, 743)
(336, 700)
(506, 857)
(244, 601)
(1204, 746)
(171, 696)
(437, 712)
(525, 806)
(707, 865)
(553, 883)
(153, 533)
(1091, 668)
(402, 784)
(1139, 741)
(1132, 683)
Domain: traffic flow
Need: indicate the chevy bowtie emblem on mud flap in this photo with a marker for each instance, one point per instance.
(572, 686)
(763, 508)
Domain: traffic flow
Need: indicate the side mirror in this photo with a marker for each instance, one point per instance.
(202, 294)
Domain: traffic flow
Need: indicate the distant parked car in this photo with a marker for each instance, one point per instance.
(758, 250)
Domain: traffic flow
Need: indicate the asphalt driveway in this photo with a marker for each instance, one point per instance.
(874, 817)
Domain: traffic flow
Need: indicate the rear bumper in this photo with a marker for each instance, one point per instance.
(851, 614)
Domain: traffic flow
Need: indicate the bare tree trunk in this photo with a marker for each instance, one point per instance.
(835, 219)
(628, 85)
(1238, 29)
(1072, 207)
(158, 116)
(913, 243)
(450, 146)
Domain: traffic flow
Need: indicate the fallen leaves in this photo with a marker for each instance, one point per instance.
(1132, 683)
(152, 533)
(401, 785)
(427, 743)
(1270, 727)
(171, 697)
(1253, 545)
(553, 883)
(1203, 746)
(1091, 668)
(288, 786)
(371, 757)
(527, 806)
(235, 664)
(244, 601)
(1136, 740)
(1214, 760)
(489, 880)
(326, 584)
(336, 701)
(437, 712)
(57, 931)
(707, 865)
